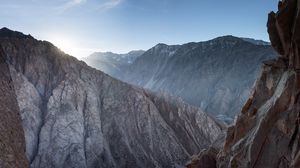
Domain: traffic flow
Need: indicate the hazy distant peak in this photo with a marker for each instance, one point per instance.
(136, 52)
(227, 38)
(5, 32)
(256, 42)
(161, 44)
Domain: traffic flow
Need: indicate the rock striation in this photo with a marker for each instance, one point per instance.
(12, 140)
(76, 116)
(266, 132)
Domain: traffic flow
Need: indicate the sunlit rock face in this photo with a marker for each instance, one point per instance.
(76, 116)
(12, 140)
(266, 133)
(215, 75)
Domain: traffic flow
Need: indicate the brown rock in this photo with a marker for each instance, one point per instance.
(12, 141)
(205, 159)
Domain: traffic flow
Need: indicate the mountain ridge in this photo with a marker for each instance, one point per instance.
(205, 64)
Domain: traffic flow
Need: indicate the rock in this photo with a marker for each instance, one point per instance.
(206, 159)
(12, 141)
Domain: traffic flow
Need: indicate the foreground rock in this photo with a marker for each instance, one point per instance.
(77, 116)
(12, 141)
(266, 133)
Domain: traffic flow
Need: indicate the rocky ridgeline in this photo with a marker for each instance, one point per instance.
(266, 132)
(76, 116)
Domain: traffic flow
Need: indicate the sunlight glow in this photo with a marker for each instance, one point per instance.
(70, 46)
(64, 44)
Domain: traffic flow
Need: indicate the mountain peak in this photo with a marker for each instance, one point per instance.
(234, 39)
(227, 38)
(5, 32)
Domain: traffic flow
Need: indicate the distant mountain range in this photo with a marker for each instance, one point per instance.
(112, 63)
(216, 75)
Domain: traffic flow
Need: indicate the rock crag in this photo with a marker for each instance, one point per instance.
(266, 132)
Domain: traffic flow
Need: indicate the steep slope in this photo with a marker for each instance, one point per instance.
(216, 75)
(266, 133)
(12, 141)
(112, 63)
(76, 116)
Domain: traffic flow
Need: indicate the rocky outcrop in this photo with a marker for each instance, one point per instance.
(205, 159)
(76, 116)
(266, 132)
(12, 141)
(215, 75)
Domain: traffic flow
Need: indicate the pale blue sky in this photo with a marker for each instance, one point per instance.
(83, 26)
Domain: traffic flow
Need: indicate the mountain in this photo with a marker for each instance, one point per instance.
(112, 63)
(266, 132)
(215, 75)
(76, 116)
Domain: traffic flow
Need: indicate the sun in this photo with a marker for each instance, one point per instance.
(69, 45)
(64, 44)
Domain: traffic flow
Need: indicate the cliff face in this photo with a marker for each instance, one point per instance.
(12, 141)
(76, 116)
(266, 133)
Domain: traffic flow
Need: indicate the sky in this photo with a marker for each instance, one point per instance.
(81, 27)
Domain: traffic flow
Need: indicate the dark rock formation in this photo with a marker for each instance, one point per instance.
(76, 116)
(206, 159)
(12, 141)
(266, 133)
(215, 75)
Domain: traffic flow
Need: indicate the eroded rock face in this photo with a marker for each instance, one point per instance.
(76, 116)
(266, 133)
(12, 141)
